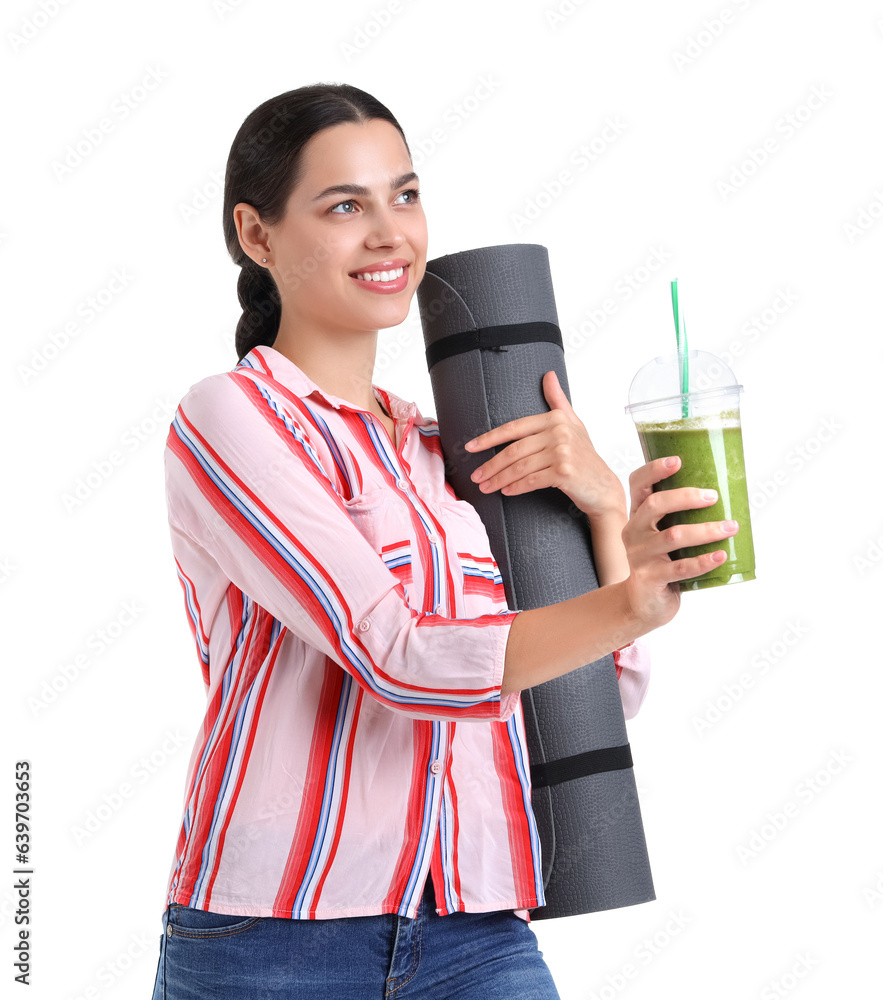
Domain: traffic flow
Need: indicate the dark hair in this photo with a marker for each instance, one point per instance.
(262, 170)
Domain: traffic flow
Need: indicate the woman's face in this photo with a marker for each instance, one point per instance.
(355, 211)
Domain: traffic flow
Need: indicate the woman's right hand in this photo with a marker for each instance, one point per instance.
(651, 587)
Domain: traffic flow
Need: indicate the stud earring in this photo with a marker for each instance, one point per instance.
(264, 259)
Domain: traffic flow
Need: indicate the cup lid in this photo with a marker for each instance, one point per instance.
(660, 379)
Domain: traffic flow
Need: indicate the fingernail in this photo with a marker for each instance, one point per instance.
(670, 463)
(476, 476)
(709, 494)
(730, 525)
(469, 444)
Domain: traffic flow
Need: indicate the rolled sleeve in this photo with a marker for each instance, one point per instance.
(245, 485)
(401, 641)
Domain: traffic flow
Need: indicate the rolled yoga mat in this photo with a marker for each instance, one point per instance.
(491, 331)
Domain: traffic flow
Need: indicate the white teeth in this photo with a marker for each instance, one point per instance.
(382, 275)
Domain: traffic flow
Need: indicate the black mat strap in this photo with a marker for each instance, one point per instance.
(579, 765)
(492, 338)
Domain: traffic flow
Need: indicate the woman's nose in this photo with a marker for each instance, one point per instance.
(385, 231)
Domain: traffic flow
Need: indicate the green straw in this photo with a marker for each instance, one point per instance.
(683, 351)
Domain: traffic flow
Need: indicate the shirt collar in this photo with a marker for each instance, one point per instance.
(286, 372)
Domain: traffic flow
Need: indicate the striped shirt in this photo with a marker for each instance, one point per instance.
(351, 624)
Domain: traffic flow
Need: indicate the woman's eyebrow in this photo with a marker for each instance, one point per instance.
(359, 189)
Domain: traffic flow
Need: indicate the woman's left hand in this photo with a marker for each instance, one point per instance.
(549, 449)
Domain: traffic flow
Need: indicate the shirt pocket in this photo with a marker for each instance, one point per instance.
(481, 584)
(381, 518)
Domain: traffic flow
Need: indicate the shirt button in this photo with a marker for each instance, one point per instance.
(402, 484)
(364, 625)
(439, 608)
(435, 767)
(433, 539)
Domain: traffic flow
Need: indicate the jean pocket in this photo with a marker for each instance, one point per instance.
(188, 921)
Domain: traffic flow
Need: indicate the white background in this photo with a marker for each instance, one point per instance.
(785, 671)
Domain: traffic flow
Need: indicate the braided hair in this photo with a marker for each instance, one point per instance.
(262, 170)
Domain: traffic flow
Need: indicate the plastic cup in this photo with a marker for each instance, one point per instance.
(703, 428)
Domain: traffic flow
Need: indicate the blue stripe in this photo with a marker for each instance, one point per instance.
(190, 603)
(207, 749)
(489, 575)
(314, 586)
(232, 756)
(328, 795)
(379, 448)
(333, 447)
(446, 858)
(292, 427)
(436, 572)
(436, 576)
(424, 830)
(520, 767)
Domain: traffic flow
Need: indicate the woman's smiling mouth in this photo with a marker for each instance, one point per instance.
(388, 276)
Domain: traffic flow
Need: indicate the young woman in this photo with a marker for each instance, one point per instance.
(357, 817)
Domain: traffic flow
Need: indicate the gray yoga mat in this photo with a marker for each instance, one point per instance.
(491, 332)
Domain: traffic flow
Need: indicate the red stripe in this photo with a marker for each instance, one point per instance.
(436, 873)
(357, 426)
(513, 806)
(344, 794)
(403, 572)
(209, 785)
(211, 714)
(261, 356)
(204, 667)
(321, 745)
(359, 429)
(483, 585)
(432, 442)
(422, 730)
(360, 482)
(304, 417)
(248, 383)
(455, 804)
(256, 657)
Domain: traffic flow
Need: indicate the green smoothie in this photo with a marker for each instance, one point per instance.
(710, 449)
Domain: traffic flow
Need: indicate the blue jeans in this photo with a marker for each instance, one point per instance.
(462, 956)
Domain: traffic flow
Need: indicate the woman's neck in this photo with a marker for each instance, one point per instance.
(345, 371)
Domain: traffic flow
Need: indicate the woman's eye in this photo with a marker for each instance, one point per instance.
(342, 209)
(412, 194)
